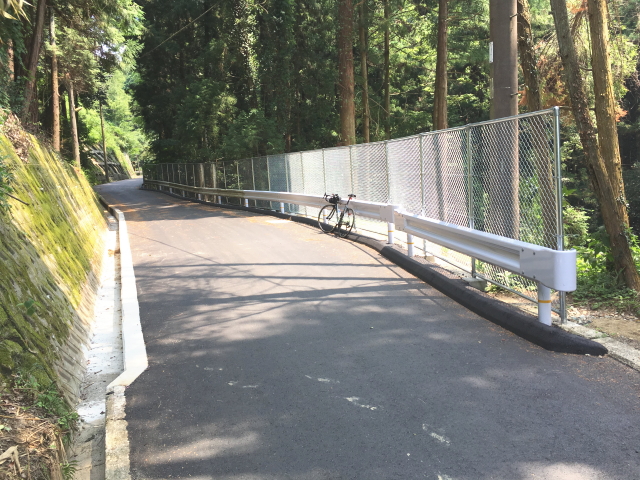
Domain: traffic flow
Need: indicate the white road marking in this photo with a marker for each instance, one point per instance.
(437, 436)
(354, 400)
(323, 380)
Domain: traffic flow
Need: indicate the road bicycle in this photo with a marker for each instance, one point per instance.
(334, 219)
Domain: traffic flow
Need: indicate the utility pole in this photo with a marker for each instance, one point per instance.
(503, 172)
(104, 146)
(503, 57)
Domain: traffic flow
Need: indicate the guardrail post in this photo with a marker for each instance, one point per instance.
(544, 304)
(409, 245)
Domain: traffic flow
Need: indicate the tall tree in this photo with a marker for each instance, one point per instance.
(363, 31)
(605, 101)
(440, 95)
(55, 94)
(346, 81)
(73, 120)
(614, 212)
(30, 108)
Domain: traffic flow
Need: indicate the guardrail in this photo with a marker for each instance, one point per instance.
(550, 269)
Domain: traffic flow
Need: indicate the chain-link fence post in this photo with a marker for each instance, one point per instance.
(390, 226)
(351, 167)
(560, 227)
(268, 174)
(253, 174)
(470, 192)
(324, 172)
(200, 178)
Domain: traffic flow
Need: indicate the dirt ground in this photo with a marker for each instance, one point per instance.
(31, 444)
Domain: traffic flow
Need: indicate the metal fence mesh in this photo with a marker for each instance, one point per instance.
(499, 177)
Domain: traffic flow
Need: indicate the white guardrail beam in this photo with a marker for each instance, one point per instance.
(549, 268)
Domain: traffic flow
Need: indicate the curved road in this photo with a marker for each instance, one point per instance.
(277, 352)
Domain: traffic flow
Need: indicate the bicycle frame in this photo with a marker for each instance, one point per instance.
(334, 201)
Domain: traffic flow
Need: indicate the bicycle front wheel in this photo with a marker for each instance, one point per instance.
(347, 224)
(328, 219)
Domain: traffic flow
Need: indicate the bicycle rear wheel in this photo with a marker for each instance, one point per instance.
(328, 219)
(348, 222)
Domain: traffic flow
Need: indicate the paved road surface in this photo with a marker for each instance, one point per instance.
(277, 352)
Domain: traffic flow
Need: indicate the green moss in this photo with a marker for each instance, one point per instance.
(47, 249)
(8, 351)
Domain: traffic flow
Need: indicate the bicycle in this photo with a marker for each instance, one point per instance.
(332, 219)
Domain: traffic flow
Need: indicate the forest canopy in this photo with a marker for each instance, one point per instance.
(211, 80)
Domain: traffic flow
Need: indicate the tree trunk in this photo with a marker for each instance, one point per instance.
(104, 147)
(613, 211)
(440, 94)
(72, 118)
(345, 71)
(542, 159)
(387, 81)
(11, 60)
(30, 109)
(55, 94)
(364, 47)
(605, 101)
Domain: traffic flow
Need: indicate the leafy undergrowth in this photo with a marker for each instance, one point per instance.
(598, 285)
(605, 290)
(35, 424)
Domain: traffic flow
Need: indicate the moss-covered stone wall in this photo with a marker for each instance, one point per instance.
(50, 252)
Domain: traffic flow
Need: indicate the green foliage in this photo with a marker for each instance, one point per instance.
(598, 284)
(576, 226)
(30, 306)
(69, 469)
(49, 399)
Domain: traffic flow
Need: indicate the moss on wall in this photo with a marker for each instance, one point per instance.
(48, 250)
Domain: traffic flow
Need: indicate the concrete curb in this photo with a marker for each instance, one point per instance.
(510, 318)
(117, 464)
(134, 350)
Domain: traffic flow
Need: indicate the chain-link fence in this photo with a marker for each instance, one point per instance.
(501, 176)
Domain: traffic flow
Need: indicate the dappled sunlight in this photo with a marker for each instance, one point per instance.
(272, 356)
(560, 471)
(478, 382)
(210, 448)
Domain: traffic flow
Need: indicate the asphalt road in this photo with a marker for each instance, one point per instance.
(277, 352)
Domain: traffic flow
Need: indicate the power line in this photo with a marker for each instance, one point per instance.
(167, 39)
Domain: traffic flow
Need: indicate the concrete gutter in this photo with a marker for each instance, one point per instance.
(117, 464)
(508, 317)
